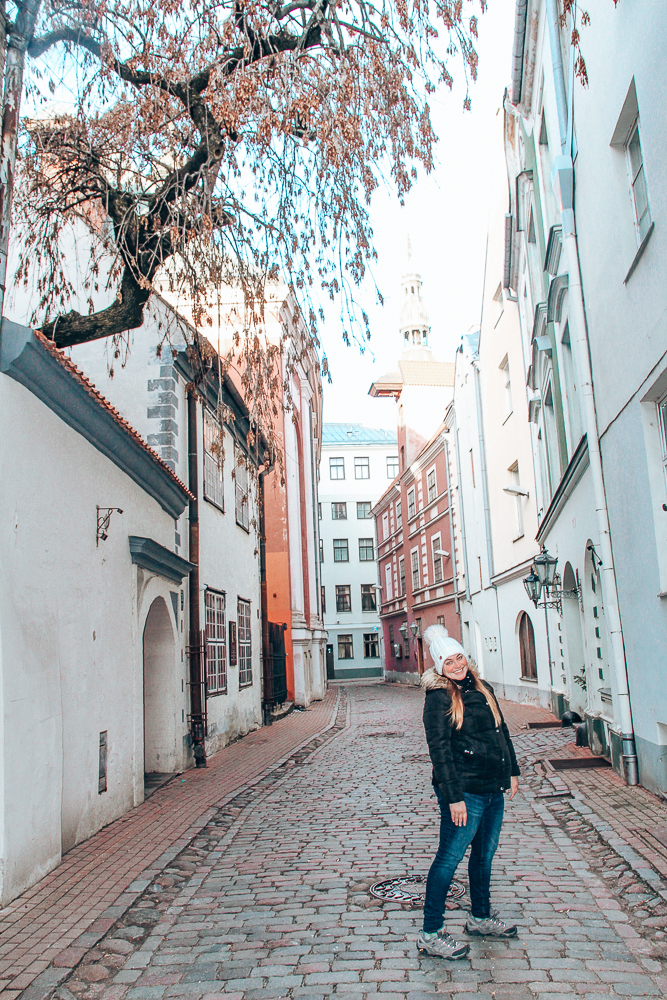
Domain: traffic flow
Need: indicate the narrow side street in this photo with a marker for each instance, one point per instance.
(271, 897)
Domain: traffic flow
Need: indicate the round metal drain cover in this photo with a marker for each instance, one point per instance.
(409, 889)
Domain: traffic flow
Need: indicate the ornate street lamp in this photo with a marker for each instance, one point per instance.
(545, 567)
(533, 586)
(404, 630)
(414, 628)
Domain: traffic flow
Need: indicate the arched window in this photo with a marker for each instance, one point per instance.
(527, 648)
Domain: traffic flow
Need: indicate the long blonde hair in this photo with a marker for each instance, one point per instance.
(456, 711)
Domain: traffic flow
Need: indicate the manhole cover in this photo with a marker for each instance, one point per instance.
(410, 889)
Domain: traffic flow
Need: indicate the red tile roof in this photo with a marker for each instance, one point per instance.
(77, 374)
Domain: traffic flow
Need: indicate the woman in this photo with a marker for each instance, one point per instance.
(473, 764)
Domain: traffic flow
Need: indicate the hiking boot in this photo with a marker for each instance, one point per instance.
(441, 945)
(491, 926)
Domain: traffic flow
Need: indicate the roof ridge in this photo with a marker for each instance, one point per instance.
(93, 391)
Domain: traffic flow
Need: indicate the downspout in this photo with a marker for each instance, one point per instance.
(553, 21)
(197, 720)
(267, 661)
(562, 178)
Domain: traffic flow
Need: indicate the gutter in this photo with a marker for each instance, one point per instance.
(520, 19)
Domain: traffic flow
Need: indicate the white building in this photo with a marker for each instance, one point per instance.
(358, 463)
(92, 669)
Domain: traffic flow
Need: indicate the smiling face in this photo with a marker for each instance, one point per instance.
(455, 667)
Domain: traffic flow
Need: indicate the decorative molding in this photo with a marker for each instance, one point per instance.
(557, 291)
(157, 559)
(553, 251)
(540, 321)
(52, 378)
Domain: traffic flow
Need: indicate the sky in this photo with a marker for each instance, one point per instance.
(446, 216)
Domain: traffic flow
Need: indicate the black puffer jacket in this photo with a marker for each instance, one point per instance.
(479, 757)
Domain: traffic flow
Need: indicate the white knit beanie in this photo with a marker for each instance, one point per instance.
(441, 645)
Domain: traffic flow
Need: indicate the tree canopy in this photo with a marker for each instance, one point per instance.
(220, 142)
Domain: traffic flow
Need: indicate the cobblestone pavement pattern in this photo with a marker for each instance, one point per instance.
(271, 898)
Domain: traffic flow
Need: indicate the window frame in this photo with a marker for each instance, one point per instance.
(323, 598)
(438, 575)
(431, 485)
(389, 586)
(339, 510)
(401, 576)
(412, 503)
(367, 506)
(415, 570)
(398, 515)
(371, 641)
(242, 488)
(345, 640)
(341, 545)
(364, 545)
(244, 641)
(633, 176)
(338, 468)
(343, 590)
(217, 641)
(393, 462)
(368, 591)
(359, 465)
(213, 473)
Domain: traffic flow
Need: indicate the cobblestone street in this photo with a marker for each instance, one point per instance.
(271, 898)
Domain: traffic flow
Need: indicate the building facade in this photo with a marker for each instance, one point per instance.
(357, 463)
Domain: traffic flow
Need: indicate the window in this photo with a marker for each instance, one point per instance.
(389, 592)
(392, 466)
(242, 498)
(437, 559)
(399, 515)
(213, 455)
(572, 395)
(245, 643)
(411, 503)
(362, 468)
(319, 511)
(638, 183)
(216, 653)
(527, 648)
(343, 598)
(401, 576)
(440, 620)
(323, 599)
(371, 646)
(366, 550)
(340, 550)
(368, 602)
(321, 550)
(336, 468)
(363, 510)
(233, 644)
(345, 647)
(431, 486)
(339, 512)
(505, 374)
(414, 556)
(385, 525)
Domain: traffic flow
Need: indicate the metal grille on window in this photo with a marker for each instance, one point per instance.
(213, 470)
(216, 646)
(242, 493)
(244, 643)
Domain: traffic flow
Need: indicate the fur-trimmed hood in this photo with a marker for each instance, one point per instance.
(431, 679)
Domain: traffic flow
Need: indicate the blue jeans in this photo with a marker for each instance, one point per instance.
(482, 831)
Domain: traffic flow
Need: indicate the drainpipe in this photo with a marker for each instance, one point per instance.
(562, 178)
(553, 21)
(267, 661)
(197, 720)
(482, 472)
(464, 545)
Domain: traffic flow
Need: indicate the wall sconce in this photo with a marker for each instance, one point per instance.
(103, 520)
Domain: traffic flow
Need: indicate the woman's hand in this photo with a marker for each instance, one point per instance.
(459, 813)
(515, 786)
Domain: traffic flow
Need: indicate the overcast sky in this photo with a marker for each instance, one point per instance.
(446, 216)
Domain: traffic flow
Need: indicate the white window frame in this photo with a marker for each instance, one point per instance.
(388, 583)
(398, 514)
(215, 617)
(518, 500)
(336, 468)
(242, 489)
(401, 576)
(392, 463)
(438, 575)
(385, 525)
(244, 641)
(339, 514)
(362, 463)
(213, 462)
(431, 485)
(412, 503)
(415, 571)
(507, 385)
(637, 178)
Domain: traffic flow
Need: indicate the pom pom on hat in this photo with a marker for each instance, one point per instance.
(441, 645)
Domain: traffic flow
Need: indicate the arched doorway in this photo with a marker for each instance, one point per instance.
(159, 681)
(574, 643)
(527, 648)
(599, 684)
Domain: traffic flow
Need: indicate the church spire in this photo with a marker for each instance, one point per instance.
(414, 325)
